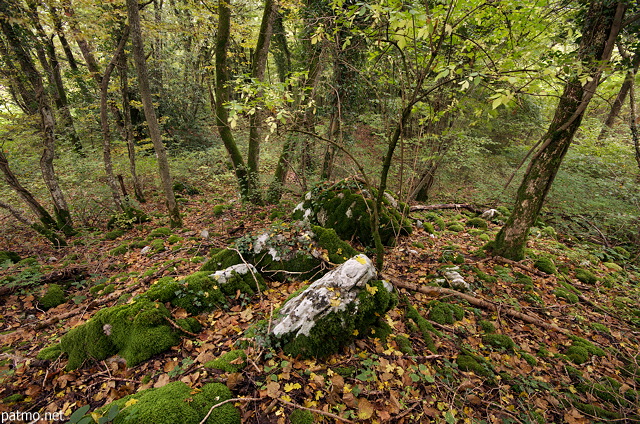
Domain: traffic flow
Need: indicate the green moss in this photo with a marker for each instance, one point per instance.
(120, 250)
(337, 329)
(586, 276)
(525, 280)
(301, 416)
(135, 331)
(455, 227)
(486, 277)
(173, 239)
(600, 327)
(53, 297)
(14, 398)
(570, 297)
(6, 256)
(445, 313)
(531, 360)
(109, 289)
(590, 347)
(404, 344)
(487, 326)
(548, 232)
(476, 364)
(219, 209)
(176, 403)
(95, 290)
(484, 237)
(137, 244)
(185, 188)
(157, 245)
(437, 220)
(232, 361)
(596, 411)
(50, 352)
(425, 327)
(160, 232)
(499, 341)
(221, 260)
(545, 265)
(477, 223)
(112, 235)
(346, 208)
(577, 354)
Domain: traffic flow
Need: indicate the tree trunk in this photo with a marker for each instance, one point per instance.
(62, 214)
(602, 25)
(150, 113)
(633, 126)
(104, 121)
(280, 48)
(222, 97)
(257, 73)
(128, 128)
(620, 98)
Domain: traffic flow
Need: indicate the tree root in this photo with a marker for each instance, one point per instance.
(481, 303)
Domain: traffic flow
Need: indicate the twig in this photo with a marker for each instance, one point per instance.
(206, 417)
(521, 266)
(317, 411)
(250, 268)
(471, 208)
(177, 327)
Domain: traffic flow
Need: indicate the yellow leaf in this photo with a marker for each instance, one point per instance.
(291, 386)
(355, 332)
(286, 398)
(95, 416)
(371, 289)
(361, 259)
(130, 402)
(335, 302)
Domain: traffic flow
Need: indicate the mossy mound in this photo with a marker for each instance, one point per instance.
(175, 403)
(499, 341)
(296, 248)
(487, 326)
(445, 313)
(425, 327)
(477, 223)
(203, 290)
(232, 361)
(135, 331)
(455, 227)
(6, 256)
(545, 265)
(585, 276)
(474, 363)
(301, 416)
(581, 350)
(347, 208)
(50, 352)
(53, 297)
(404, 345)
(339, 328)
(160, 232)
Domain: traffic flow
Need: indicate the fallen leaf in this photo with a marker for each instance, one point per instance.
(365, 409)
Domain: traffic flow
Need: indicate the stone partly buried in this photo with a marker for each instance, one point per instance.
(345, 303)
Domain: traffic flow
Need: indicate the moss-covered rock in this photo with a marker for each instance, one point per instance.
(333, 311)
(455, 227)
(120, 250)
(404, 344)
(445, 313)
(581, 350)
(160, 232)
(586, 276)
(175, 403)
(569, 296)
(346, 208)
(232, 361)
(474, 363)
(487, 326)
(204, 290)
(11, 257)
(477, 223)
(296, 248)
(53, 297)
(50, 352)
(112, 235)
(546, 265)
(185, 188)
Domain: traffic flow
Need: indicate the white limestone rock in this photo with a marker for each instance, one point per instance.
(226, 274)
(489, 214)
(331, 293)
(455, 280)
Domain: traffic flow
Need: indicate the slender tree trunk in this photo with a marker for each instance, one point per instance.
(602, 25)
(128, 128)
(257, 72)
(280, 48)
(633, 126)
(104, 121)
(61, 209)
(222, 97)
(621, 97)
(150, 113)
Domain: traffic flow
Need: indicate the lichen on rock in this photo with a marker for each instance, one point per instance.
(345, 303)
(347, 208)
(285, 249)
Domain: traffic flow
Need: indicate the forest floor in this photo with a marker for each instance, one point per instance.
(577, 361)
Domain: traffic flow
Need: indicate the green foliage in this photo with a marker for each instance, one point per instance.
(232, 361)
(10, 257)
(474, 363)
(219, 209)
(53, 297)
(125, 220)
(436, 219)
(301, 416)
(157, 245)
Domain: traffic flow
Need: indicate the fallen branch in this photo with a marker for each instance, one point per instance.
(521, 266)
(177, 327)
(206, 417)
(429, 290)
(417, 208)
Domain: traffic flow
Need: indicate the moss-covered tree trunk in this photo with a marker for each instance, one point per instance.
(601, 27)
(222, 97)
(150, 114)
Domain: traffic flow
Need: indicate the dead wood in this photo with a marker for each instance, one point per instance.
(417, 208)
(521, 266)
(481, 303)
(67, 274)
